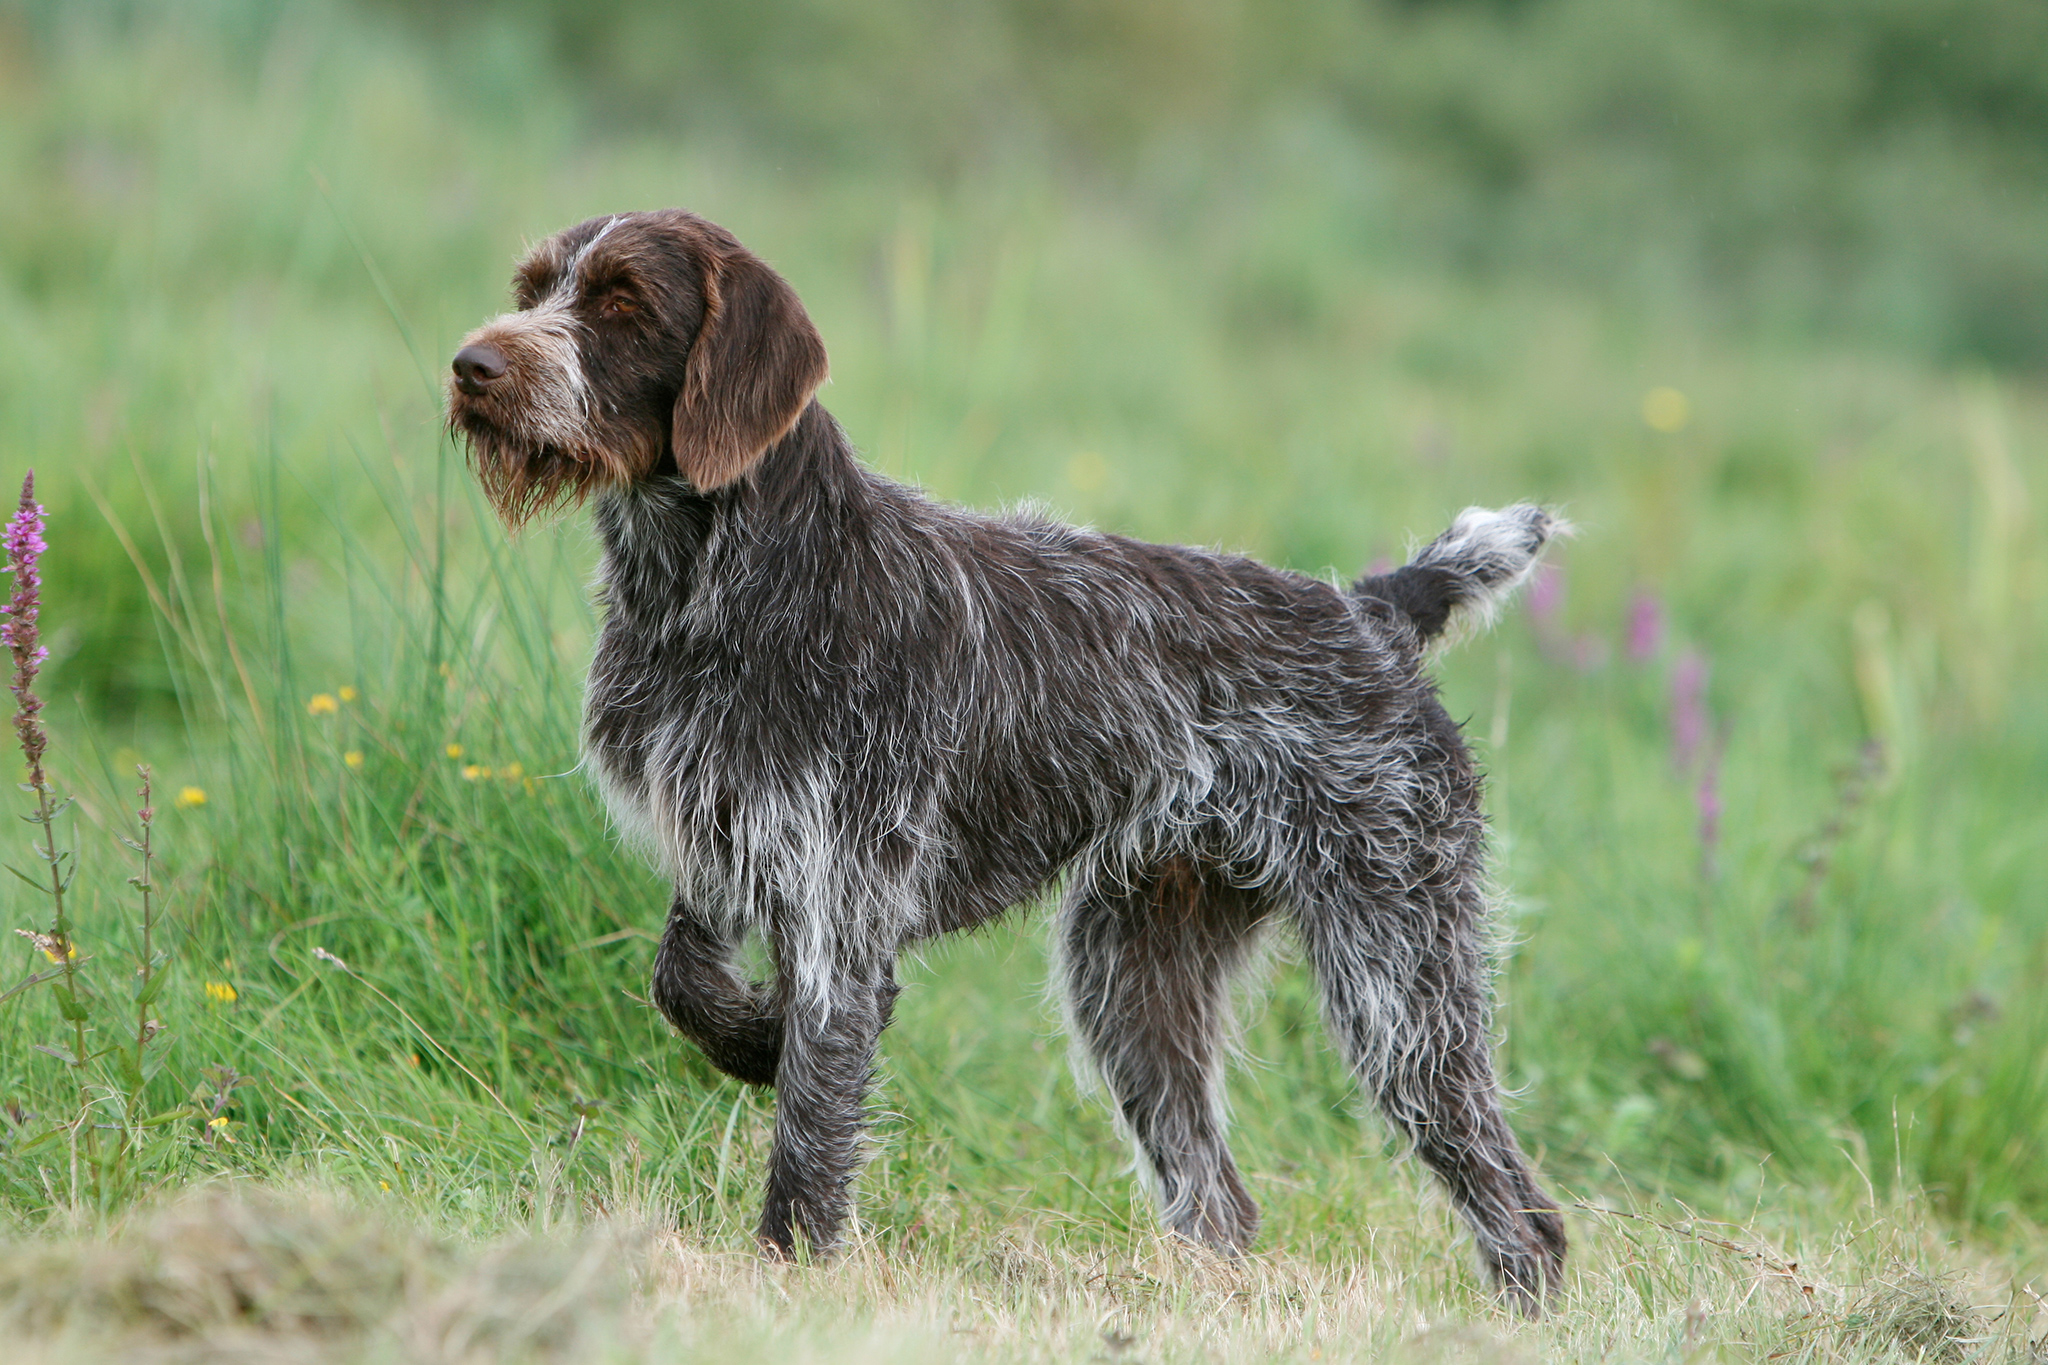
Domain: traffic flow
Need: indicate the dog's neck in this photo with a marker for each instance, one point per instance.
(660, 534)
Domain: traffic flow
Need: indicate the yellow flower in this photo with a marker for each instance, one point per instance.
(322, 704)
(347, 693)
(188, 797)
(475, 772)
(512, 772)
(354, 759)
(453, 751)
(220, 993)
(1666, 410)
(531, 786)
(1087, 471)
(52, 944)
(48, 945)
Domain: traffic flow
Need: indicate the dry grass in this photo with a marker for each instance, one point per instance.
(261, 1274)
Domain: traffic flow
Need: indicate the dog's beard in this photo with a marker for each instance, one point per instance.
(529, 474)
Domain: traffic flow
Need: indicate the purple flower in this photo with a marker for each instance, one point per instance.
(1645, 627)
(1546, 594)
(1707, 800)
(1588, 653)
(24, 546)
(1688, 707)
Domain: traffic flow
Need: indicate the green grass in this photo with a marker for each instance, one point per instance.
(229, 283)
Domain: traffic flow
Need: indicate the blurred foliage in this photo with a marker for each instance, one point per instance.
(1877, 168)
(1228, 258)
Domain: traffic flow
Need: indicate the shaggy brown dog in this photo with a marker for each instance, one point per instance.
(847, 718)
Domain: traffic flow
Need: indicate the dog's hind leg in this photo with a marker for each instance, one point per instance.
(1407, 993)
(696, 984)
(1148, 972)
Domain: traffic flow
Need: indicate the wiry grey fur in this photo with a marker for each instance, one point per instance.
(847, 718)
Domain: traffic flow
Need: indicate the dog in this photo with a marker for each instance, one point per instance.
(847, 718)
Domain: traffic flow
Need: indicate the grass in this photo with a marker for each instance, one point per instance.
(291, 1275)
(1821, 1025)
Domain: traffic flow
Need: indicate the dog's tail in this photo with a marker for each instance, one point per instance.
(1459, 580)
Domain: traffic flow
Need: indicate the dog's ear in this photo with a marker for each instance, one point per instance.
(752, 369)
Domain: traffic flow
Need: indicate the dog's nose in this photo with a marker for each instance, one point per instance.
(477, 366)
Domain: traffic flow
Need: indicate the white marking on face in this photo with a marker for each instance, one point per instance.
(596, 237)
(544, 344)
(558, 392)
(569, 282)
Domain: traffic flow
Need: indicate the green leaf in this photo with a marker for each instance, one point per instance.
(35, 980)
(40, 886)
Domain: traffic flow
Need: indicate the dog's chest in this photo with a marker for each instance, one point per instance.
(692, 766)
(626, 709)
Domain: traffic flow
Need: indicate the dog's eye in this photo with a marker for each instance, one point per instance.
(618, 306)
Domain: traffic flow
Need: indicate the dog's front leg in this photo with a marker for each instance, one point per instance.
(703, 994)
(829, 1035)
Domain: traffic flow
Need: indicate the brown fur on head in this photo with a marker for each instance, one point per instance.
(640, 342)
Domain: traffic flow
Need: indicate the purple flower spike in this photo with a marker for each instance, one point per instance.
(1709, 798)
(1707, 801)
(1645, 627)
(1546, 594)
(1688, 707)
(25, 545)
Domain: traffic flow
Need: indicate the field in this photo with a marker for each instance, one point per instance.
(1765, 743)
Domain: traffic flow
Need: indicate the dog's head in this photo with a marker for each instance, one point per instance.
(641, 341)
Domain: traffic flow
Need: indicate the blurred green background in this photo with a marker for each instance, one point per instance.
(1044, 224)
(1755, 290)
